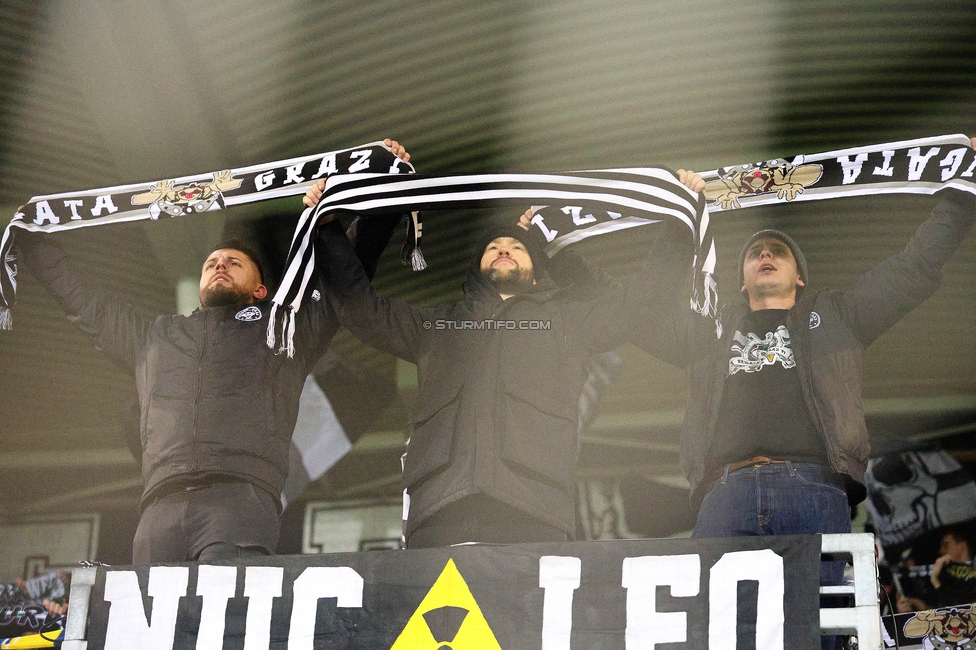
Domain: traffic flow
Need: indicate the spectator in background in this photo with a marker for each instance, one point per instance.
(952, 574)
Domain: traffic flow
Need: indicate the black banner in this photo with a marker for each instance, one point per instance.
(715, 593)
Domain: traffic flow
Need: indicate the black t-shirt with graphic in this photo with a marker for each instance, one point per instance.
(762, 411)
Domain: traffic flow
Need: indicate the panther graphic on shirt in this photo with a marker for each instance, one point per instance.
(751, 353)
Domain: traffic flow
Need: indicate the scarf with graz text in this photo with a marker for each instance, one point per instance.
(570, 206)
(578, 205)
(180, 197)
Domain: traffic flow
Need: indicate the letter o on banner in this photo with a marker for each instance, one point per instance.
(764, 566)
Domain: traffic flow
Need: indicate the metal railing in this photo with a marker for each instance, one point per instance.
(863, 618)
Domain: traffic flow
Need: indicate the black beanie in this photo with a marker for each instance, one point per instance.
(539, 259)
(801, 261)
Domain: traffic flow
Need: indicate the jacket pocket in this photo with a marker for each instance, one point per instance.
(431, 437)
(540, 435)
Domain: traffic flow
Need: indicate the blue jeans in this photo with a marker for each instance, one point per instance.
(777, 499)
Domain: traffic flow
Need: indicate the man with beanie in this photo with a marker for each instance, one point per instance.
(774, 440)
(494, 441)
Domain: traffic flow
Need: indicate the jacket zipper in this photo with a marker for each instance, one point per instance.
(808, 394)
(204, 339)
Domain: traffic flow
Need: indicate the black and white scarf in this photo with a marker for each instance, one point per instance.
(922, 166)
(178, 197)
(570, 206)
(575, 205)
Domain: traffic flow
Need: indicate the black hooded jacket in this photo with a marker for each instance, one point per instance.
(499, 382)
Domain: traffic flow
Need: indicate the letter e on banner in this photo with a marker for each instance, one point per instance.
(641, 577)
(127, 625)
(763, 566)
(560, 577)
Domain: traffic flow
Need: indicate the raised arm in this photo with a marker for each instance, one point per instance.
(387, 324)
(882, 296)
(651, 308)
(116, 328)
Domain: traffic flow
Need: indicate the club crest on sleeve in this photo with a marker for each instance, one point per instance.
(814, 320)
(316, 296)
(249, 314)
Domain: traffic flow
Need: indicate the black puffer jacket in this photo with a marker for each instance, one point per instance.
(499, 383)
(214, 399)
(828, 331)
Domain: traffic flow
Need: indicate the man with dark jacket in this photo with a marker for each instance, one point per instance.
(218, 406)
(774, 440)
(494, 441)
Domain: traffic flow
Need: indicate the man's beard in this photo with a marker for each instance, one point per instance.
(220, 295)
(509, 281)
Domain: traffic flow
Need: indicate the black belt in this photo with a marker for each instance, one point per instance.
(191, 484)
(755, 461)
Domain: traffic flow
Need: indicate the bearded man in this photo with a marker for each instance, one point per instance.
(218, 406)
(494, 440)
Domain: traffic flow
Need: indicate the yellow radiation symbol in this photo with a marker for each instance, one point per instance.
(448, 618)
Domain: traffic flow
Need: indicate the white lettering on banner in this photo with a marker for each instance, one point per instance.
(362, 161)
(952, 162)
(217, 584)
(328, 166)
(43, 212)
(74, 205)
(886, 169)
(550, 234)
(579, 218)
(725, 575)
(917, 161)
(560, 577)
(104, 202)
(127, 625)
(641, 577)
(263, 181)
(341, 583)
(262, 584)
(852, 168)
(969, 170)
(293, 174)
